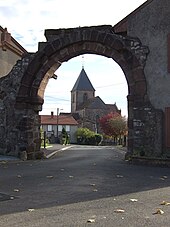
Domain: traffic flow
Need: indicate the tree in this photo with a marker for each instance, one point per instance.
(113, 124)
(105, 125)
(118, 125)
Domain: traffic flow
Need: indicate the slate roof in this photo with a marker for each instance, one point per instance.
(113, 108)
(94, 103)
(62, 120)
(83, 83)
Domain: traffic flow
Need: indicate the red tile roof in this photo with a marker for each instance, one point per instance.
(62, 120)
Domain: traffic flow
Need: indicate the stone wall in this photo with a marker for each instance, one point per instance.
(18, 127)
(148, 128)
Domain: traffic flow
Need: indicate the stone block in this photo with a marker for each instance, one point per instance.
(116, 44)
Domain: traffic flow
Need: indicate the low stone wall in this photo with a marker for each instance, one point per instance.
(149, 161)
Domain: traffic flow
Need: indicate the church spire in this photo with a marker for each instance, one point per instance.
(83, 83)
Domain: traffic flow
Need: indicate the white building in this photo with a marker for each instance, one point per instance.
(53, 125)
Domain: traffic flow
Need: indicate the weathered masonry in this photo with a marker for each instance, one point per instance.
(22, 91)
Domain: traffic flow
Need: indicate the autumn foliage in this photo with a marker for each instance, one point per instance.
(113, 124)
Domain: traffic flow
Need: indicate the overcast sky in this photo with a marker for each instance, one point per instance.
(26, 20)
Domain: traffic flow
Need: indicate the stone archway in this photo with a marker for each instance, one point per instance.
(64, 44)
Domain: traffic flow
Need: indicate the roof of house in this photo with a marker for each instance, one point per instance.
(121, 26)
(62, 120)
(83, 83)
(7, 41)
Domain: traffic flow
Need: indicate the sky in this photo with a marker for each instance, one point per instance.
(27, 20)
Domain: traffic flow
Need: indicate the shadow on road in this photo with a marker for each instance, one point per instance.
(74, 176)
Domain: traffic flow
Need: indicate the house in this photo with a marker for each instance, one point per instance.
(122, 27)
(85, 107)
(53, 126)
(10, 51)
(150, 24)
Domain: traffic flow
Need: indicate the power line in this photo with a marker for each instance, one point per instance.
(111, 85)
(55, 98)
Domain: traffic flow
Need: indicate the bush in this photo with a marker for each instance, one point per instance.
(87, 137)
(64, 137)
(98, 138)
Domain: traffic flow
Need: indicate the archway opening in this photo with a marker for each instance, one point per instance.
(107, 79)
(105, 74)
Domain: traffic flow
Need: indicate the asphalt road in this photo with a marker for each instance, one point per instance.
(83, 186)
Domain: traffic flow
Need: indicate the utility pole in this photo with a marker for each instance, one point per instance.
(57, 121)
(58, 109)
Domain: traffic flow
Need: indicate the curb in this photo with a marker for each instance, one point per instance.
(54, 152)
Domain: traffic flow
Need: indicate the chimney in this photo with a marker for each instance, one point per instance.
(52, 114)
(6, 36)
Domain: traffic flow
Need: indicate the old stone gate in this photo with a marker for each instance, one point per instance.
(22, 91)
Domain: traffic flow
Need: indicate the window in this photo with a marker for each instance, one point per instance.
(49, 128)
(67, 128)
(60, 128)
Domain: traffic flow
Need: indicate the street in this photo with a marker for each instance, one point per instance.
(83, 186)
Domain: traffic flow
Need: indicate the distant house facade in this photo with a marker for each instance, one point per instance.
(10, 51)
(85, 107)
(53, 126)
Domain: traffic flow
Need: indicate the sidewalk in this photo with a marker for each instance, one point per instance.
(49, 152)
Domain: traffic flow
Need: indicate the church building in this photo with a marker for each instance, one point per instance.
(85, 106)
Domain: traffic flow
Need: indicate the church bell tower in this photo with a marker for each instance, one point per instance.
(81, 91)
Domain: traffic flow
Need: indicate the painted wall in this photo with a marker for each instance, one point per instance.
(151, 25)
(7, 60)
(73, 129)
(10, 52)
